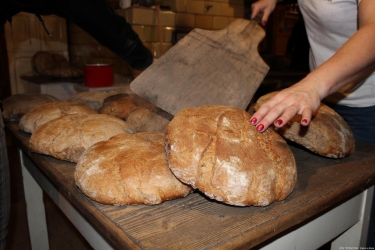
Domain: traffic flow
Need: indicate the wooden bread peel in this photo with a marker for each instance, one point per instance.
(206, 68)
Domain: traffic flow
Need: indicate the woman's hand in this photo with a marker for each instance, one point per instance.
(353, 62)
(289, 102)
(265, 7)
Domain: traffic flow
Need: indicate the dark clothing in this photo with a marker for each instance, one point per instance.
(96, 17)
(4, 187)
(299, 47)
(360, 120)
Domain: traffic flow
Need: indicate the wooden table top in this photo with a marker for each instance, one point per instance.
(196, 222)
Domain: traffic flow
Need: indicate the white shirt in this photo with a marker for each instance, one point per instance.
(329, 24)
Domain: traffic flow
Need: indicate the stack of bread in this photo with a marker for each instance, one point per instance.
(129, 152)
(51, 64)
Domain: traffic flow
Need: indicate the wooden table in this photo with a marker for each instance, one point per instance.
(332, 196)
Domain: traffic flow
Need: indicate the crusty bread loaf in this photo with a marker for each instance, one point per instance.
(15, 106)
(122, 105)
(93, 99)
(119, 107)
(45, 112)
(327, 134)
(54, 65)
(216, 150)
(144, 120)
(128, 169)
(68, 136)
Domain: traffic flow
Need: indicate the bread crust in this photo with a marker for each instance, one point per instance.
(54, 65)
(93, 99)
(144, 120)
(327, 134)
(45, 112)
(15, 106)
(67, 137)
(216, 150)
(128, 169)
(122, 105)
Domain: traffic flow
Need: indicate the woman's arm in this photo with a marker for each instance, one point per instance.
(353, 62)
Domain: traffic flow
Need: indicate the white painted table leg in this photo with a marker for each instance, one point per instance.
(347, 217)
(34, 184)
(356, 236)
(35, 209)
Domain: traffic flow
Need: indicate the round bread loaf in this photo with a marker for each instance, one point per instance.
(119, 107)
(54, 65)
(45, 112)
(128, 169)
(15, 106)
(327, 134)
(67, 137)
(122, 105)
(216, 150)
(144, 120)
(93, 99)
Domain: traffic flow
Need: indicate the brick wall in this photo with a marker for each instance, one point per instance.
(175, 16)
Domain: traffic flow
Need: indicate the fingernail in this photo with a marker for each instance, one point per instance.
(304, 121)
(260, 127)
(278, 122)
(264, 23)
(253, 121)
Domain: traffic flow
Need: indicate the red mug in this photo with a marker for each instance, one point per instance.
(98, 75)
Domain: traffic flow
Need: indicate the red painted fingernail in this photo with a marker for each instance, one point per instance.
(260, 127)
(278, 122)
(253, 121)
(304, 121)
(264, 23)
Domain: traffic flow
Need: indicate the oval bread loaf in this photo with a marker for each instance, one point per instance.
(93, 99)
(67, 137)
(15, 106)
(327, 134)
(46, 112)
(144, 120)
(128, 169)
(122, 105)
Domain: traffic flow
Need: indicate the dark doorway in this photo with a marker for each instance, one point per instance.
(5, 90)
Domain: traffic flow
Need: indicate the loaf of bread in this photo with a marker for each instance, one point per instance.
(93, 99)
(144, 120)
(119, 107)
(45, 112)
(54, 65)
(128, 169)
(15, 106)
(327, 134)
(216, 150)
(122, 105)
(68, 136)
